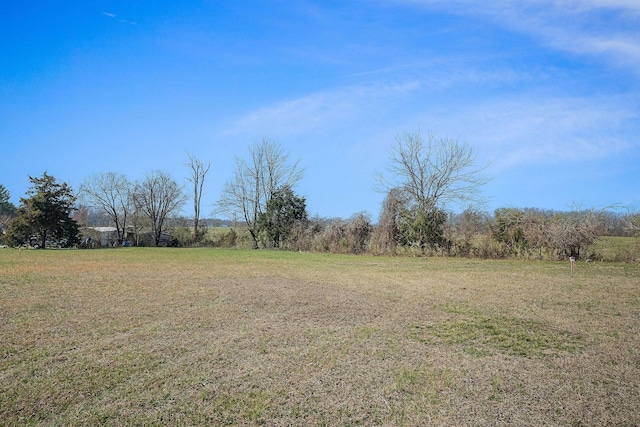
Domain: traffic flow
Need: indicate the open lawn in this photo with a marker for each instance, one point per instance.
(624, 249)
(137, 336)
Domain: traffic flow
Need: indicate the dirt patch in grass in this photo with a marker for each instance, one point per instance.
(215, 337)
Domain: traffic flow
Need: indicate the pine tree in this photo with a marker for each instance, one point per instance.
(45, 214)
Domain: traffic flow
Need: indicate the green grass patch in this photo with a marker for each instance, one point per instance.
(480, 336)
(619, 249)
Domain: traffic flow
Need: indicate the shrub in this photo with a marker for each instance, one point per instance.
(358, 233)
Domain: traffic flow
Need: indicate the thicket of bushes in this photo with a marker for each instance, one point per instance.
(509, 233)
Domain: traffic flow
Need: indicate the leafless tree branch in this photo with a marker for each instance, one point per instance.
(433, 173)
(254, 181)
(198, 174)
(111, 193)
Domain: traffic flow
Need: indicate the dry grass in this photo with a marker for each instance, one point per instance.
(217, 337)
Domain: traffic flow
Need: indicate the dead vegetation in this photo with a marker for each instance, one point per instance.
(203, 336)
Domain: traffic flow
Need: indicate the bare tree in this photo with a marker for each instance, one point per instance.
(433, 173)
(81, 215)
(157, 197)
(255, 181)
(427, 176)
(569, 233)
(198, 173)
(110, 193)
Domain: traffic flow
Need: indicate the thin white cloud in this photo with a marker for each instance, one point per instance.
(609, 28)
(319, 110)
(625, 49)
(343, 106)
(508, 130)
(547, 130)
(123, 21)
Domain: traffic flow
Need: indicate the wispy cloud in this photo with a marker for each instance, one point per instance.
(321, 109)
(114, 16)
(510, 130)
(518, 131)
(344, 105)
(605, 28)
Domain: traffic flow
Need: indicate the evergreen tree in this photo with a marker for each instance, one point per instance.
(6, 207)
(7, 211)
(422, 229)
(45, 214)
(283, 211)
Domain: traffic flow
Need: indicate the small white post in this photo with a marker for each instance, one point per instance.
(572, 260)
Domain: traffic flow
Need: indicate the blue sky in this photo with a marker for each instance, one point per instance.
(546, 91)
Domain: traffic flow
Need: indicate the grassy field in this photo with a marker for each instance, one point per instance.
(622, 249)
(137, 336)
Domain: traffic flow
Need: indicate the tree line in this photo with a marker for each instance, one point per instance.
(424, 178)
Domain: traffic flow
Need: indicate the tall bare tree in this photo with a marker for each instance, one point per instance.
(433, 173)
(198, 173)
(110, 193)
(255, 181)
(430, 175)
(157, 196)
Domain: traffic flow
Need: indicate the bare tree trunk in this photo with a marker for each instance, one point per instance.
(427, 176)
(158, 196)
(198, 173)
(111, 193)
(254, 182)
